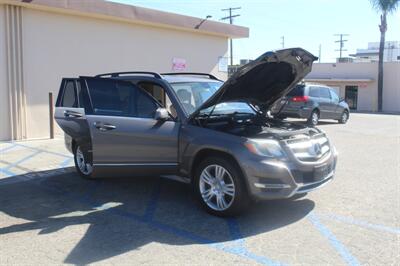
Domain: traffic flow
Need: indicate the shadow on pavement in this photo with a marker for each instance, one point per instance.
(127, 213)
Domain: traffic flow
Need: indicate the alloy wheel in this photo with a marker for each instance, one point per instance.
(85, 167)
(314, 118)
(217, 187)
(344, 117)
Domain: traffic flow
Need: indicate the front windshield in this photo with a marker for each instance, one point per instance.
(229, 108)
(193, 94)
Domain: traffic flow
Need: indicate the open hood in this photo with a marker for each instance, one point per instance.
(264, 80)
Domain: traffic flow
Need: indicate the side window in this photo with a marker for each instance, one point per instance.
(159, 94)
(69, 98)
(324, 93)
(334, 96)
(119, 98)
(313, 92)
(145, 106)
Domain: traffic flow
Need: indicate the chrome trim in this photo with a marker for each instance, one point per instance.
(322, 183)
(135, 164)
(272, 186)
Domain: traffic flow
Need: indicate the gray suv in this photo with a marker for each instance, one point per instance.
(312, 102)
(194, 128)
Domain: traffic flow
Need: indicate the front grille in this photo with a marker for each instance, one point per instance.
(309, 148)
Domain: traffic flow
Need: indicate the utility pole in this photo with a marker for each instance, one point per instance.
(319, 53)
(341, 43)
(230, 17)
(283, 41)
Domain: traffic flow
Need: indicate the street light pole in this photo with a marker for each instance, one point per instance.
(202, 21)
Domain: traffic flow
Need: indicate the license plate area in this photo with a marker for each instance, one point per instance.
(321, 172)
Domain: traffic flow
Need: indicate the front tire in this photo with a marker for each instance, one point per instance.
(82, 163)
(220, 188)
(344, 117)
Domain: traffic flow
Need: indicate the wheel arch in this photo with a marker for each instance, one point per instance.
(316, 108)
(210, 152)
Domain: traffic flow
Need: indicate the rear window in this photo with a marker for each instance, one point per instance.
(313, 92)
(297, 91)
(69, 98)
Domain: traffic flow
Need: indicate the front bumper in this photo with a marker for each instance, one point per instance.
(273, 179)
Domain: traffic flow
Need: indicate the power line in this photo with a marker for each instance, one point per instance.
(341, 43)
(230, 17)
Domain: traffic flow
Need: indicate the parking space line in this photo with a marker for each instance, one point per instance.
(8, 148)
(367, 225)
(66, 162)
(239, 248)
(26, 158)
(234, 231)
(41, 150)
(6, 172)
(340, 248)
(153, 202)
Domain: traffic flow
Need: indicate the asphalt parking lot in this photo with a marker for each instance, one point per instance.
(49, 215)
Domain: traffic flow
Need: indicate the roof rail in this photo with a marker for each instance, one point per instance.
(117, 74)
(191, 74)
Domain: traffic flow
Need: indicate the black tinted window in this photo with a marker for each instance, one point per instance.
(313, 92)
(145, 107)
(119, 98)
(69, 97)
(324, 93)
(297, 91)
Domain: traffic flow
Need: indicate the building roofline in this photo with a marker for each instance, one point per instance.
(365, 80)
(134, 14)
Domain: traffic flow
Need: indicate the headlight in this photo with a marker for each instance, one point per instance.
(266, 147)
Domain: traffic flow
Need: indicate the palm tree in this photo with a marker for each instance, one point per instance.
(385, 7)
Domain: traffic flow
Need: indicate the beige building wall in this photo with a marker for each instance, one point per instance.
(58, 45)
(365, 76)
(4, 108)
(391, 84)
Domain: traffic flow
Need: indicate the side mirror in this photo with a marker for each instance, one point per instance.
(161, 114)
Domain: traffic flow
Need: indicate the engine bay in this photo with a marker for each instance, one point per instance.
(253, 125)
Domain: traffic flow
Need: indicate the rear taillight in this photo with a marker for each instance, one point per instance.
(299, 99)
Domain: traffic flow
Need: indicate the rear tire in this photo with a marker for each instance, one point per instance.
(314, 118)
(83, 164)
(344, 117)
(220, 188)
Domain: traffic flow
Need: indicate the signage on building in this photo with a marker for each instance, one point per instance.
(178, 64)
(222, 64)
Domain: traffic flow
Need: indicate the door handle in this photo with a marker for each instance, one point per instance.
(103, 127)
(69, 113)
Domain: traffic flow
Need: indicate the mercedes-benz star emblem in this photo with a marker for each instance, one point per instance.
(317, 148)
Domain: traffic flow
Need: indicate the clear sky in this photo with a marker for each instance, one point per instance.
(304, 23)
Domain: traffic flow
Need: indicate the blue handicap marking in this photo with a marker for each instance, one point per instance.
(340, 247)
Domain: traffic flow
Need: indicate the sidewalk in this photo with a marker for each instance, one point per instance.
(23, 157)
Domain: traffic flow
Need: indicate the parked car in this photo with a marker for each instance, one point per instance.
(312, 102)
(194, 128)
